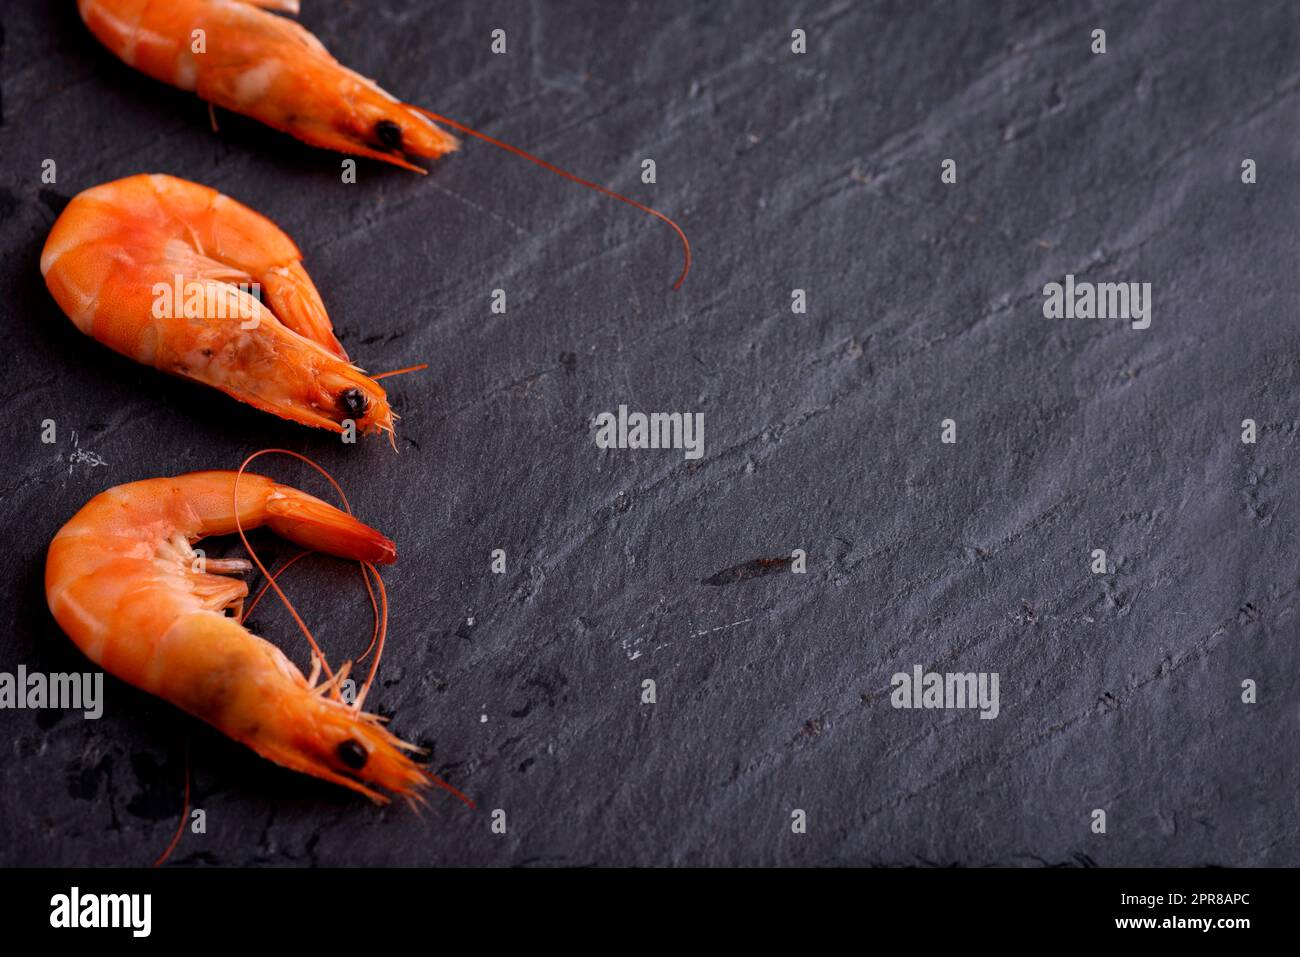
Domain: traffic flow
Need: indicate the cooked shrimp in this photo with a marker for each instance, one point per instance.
(267, 67)
(123, 581)
(160, 269)
(247, 60)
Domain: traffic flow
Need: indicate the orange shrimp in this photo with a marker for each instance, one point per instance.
(159, 269)
(267, 67)
(238, 56)
(123, 581)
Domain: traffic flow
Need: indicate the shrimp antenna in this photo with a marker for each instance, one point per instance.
(379, 607)
(185, 813)
(381, 628)
(415, 368)
(686, 243)
(267, 584)
(270, 579)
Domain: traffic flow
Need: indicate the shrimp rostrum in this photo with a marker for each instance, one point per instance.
(122, 580)
(180, 277)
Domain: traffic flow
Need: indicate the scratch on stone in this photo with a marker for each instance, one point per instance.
(709, 631)
(80, 456)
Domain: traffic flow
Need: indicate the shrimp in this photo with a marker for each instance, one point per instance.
(246, 60)
(124, 582)
(236, 55)
(160, 269)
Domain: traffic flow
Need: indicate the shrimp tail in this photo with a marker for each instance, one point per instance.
(294, 300)
(320, 526)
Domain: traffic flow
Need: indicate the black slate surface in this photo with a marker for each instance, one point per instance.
(821, 172)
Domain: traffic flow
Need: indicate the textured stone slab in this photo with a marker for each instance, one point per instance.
(820, 172)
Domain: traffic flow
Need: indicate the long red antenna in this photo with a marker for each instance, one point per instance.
(415, 368)
(270, 579)
(185, 814)
(252, 606)
(378, 605)
(686, 243)
(381, 629)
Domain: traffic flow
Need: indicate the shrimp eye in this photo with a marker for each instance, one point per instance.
(389, 133)
(354, 402)
(353, 754)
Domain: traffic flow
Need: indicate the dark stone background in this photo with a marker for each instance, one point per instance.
(819, 172)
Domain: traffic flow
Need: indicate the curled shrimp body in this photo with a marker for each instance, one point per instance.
(123, 581)
(159, 269)
(244, 59)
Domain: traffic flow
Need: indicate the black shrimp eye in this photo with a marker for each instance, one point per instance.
(389, 133)
(354, 402)
(353, 754)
